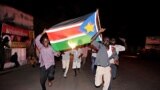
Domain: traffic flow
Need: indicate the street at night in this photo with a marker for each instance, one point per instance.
(33, 34)
(134, 74)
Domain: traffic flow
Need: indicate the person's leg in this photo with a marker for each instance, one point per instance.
(84, 61)
(110, 84)
(75, 72)
(74, 68)
(114, 71)
(93, 63)
(63, 65)
(107, 78)
(98, 76)
(78, 66)
(43, 77)
(17, 63)
(67, 67)
(50, 75)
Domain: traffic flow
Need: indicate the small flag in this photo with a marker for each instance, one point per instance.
(74, 32)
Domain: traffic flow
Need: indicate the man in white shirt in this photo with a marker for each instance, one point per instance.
(115, 62)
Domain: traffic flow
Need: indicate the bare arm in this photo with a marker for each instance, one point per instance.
(124, 42)
(98, 33)
(37, 40)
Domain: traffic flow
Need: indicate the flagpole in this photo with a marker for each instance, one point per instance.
(99, 24)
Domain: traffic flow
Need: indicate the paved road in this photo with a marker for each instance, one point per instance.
(133, 74)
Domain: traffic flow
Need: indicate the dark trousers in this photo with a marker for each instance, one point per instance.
(93, 66)
(46, 74)
(83, 61)
(114, 70)
(113, 74)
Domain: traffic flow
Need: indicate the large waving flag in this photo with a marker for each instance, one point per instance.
(74, 32)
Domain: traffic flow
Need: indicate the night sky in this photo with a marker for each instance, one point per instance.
(130, 19)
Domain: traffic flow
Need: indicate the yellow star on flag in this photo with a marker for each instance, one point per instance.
(89, 27)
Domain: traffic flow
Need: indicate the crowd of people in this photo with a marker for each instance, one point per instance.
(104, 58)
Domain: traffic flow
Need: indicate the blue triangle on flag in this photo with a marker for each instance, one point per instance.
(89, 25)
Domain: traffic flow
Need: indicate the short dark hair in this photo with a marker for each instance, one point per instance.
(44, 36)
(106, 38)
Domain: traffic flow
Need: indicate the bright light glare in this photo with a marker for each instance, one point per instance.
(72, 44)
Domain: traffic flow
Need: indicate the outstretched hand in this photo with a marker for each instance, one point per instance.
(116, 62)
(96, 35)
(44, 31)
(102, 30)
(58, 54)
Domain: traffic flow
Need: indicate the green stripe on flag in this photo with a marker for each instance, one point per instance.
(60, 46)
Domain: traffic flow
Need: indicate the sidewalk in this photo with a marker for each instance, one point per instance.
(8, 70)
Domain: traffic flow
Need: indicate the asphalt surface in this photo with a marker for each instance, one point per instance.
(134, 74)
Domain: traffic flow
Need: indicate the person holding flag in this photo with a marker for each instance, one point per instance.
(46, 59)
(104, 54)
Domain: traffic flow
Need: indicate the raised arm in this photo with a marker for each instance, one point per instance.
(98, 33)
(37, 40)
(124, 42)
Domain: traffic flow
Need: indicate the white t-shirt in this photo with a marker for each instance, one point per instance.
(66, 55)
(76, 54)
(118, 48)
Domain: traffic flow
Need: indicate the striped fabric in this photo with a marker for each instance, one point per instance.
(74, 32)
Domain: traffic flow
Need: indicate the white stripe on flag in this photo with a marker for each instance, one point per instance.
(63, 27)
(71, 37)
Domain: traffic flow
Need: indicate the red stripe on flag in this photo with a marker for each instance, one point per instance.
(62, 34)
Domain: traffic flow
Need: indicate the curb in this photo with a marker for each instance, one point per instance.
(12, 69)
